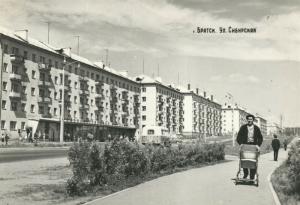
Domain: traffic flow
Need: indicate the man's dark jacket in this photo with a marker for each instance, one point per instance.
(242, 137)
(275, 144)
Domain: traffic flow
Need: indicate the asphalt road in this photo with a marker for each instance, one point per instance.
(21, 154)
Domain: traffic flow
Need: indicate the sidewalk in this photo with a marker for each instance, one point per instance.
(212, 185)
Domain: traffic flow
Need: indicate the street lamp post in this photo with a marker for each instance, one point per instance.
(140, 108)
(230, 97)
(61, 133)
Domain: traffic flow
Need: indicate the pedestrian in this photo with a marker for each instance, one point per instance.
(249, 134)
(285, 142)
(275, 146)
(6, 139)
(2, 139)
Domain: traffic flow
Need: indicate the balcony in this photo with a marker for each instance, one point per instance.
(15, 76)
(84, 92)
(16, 59)
(44, 67)
(44, 83)
(114, 99)
(99, 96)
(99, 83)
(14, 94)
(84, 107)
(46, 100)
(113, 107)
(83, 78)
(46, 115)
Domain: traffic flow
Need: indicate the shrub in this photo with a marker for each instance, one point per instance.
(293, 163)
(96, 165)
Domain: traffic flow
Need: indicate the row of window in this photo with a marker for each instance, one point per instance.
(97, 77)
(12, 125)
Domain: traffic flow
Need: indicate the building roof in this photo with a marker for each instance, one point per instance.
(23, 36)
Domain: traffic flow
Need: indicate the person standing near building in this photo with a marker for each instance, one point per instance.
(249, 134)
(275, 146)
(285, 142)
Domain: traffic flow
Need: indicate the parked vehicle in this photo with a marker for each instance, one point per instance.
(155, 135)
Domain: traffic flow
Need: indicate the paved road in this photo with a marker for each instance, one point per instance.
(212, 185)
(21, 154)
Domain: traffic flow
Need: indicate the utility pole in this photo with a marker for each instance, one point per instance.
(143, 65)
(158, 70)
(77, 44)
(48, 23)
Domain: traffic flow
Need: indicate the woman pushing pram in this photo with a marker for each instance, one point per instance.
(249, 134)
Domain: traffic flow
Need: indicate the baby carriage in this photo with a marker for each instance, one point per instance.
(248, 159)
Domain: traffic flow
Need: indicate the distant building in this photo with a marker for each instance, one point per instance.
(292, 131)
(232, 119)
(202, 115)
(262, 124)
(161, 104)
(273, 128)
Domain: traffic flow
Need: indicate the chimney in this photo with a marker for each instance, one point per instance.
(197, 91)
(204, 94)
(189, 86)
(212, 98)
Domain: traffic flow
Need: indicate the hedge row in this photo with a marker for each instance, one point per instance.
(94, 164)
(293, 174)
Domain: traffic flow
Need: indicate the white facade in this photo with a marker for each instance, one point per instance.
(232, 120)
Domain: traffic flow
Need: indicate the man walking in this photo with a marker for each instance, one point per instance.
(249, 134)
(275, 146)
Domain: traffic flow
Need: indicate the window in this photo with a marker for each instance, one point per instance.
(5, 67)
(41, 109)
(97, 77)
(14, 106)
(25, 55)
(75, 114)
(143, 89)
(5, 48)
(92, 89)
(3, 124)
(75, 85)
(75, 99)
(144, 108)
(92, 102)
(22, 125)
(33, 57)
(56, 80)
(33, 74)
(23, 107)
(144, 99)
(50, 62)
(150, 132)
(55, 95)
(42, 59)
(32, 109)
(3, 104)
(13, 125)
(55, 111)
(92, 76)
(15, 50)
(144, 117)
(32, 91)
(4, 85)
(56, 64)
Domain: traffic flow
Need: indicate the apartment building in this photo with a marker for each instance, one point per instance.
(202, 115)
(233, 117)
(262, 124)
(36, 77)
(161, 104)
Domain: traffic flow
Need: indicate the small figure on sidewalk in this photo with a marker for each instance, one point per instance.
(6, 139)
(275, 146)
(285, 144)
(2, 138)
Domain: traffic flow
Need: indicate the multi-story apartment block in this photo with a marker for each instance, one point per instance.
(34, 77)
(202, 115)
(232, 119)
(262, 124)
(162, 105)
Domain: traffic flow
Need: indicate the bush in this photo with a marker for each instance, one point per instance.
(293, 163)
(96, 165)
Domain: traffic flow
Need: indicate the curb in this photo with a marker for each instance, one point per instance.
(275, 196)
(110, 195)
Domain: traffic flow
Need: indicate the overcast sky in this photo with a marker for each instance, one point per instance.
(261, 70)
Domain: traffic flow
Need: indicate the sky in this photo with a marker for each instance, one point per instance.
(261, 70)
